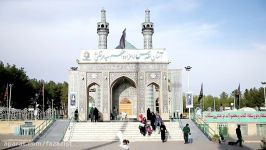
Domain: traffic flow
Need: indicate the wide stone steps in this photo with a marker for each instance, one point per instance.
(106, 131)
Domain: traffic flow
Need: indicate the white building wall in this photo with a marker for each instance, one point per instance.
(175, 93)
(73, 85)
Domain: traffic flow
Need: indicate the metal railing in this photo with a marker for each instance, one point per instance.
(204, 127)
(67, 128)
(26, 114)
(71, 128)
(39, 130)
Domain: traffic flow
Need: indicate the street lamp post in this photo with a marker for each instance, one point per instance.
(9, 102)
(264, 84)
(188, 68)
(53, 108)
(214, 104)
(42, 98)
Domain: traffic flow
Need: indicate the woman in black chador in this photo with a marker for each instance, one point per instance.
(96, 114)
(163, 131)
(148, 114)
(153, 118)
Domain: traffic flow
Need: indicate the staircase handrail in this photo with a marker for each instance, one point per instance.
(39, 130)
(64, 133)
(209, 132)
(71, 128)
(180, 124)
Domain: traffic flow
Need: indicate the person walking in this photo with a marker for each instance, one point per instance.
(96, 114)
(186, 131)
(153, 118)
(148, 114)
(76, 115)
(91, 114)
(158, 122)
(239, 136)
(163, 131)
(115, 113)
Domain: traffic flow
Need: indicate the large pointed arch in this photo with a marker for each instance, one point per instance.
(152, 97)
(93, 97)
(123, 97)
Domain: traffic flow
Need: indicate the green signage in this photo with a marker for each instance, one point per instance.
(235, 116)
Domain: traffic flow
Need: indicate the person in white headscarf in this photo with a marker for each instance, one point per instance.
(123, 142)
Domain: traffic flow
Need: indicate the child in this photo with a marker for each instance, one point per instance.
(149, 130)
(125, 144)
(189, 138)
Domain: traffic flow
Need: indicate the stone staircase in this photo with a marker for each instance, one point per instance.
(106, 131)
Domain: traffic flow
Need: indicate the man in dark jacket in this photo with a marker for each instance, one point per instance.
(91, 114)
(239, 135)
(186, 130)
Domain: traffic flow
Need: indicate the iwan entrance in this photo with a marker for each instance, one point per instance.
(124, 98)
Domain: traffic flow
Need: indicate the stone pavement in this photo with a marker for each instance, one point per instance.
(56, 132)
(199, 145)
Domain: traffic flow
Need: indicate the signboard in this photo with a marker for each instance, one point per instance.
(235, 116)
(73, 99)
(189, 100)
(123, 55)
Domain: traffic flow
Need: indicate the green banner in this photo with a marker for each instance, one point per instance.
(235, 116)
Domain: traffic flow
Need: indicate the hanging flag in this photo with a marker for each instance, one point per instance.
(122, 43)
(237, 95)
(237, 92)
(189, 100)
(201, 93)
(6, 92)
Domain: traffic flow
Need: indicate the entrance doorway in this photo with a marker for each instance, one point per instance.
(124, 98)
(152, 97)
(125, 106)
(93, 98)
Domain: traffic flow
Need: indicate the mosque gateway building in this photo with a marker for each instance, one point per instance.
(124, 80)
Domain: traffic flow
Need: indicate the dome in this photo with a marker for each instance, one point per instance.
(247, 109)
(127, 46)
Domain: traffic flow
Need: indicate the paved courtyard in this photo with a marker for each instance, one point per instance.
(138, 146)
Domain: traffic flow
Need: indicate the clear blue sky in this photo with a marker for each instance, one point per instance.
(223, 40)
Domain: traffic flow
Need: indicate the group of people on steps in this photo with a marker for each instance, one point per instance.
(152, 124)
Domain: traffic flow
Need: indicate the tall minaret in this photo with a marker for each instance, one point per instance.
(102, 31)
(147, 30)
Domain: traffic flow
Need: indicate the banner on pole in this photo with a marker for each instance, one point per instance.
(73, 98)
(189, 100)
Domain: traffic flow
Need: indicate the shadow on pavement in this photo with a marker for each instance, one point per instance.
(225, 146)
(101, 145)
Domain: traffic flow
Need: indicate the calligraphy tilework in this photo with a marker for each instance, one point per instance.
(236, 116)
(153, 77)
(123, 67)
